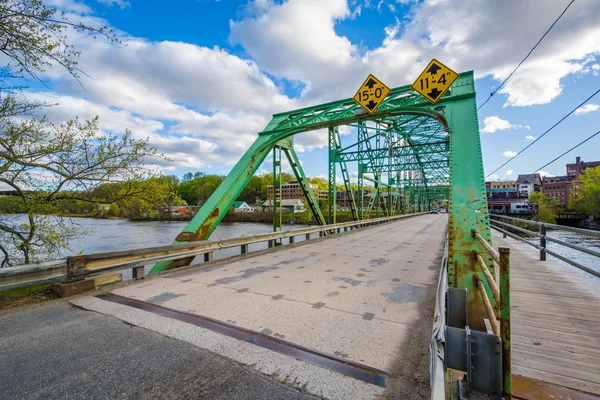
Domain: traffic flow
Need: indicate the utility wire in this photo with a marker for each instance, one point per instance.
(543, 134)
(528, 54)
(571, 149)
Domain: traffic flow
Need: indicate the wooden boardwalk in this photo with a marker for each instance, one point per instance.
(555, 318)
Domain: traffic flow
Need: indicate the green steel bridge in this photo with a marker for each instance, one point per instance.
(414, 151)
(342, 310)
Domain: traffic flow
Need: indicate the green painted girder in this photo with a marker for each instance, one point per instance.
(433, 148)
(422, 121)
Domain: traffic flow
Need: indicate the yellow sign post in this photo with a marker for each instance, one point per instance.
(371, 93)
(434, 81)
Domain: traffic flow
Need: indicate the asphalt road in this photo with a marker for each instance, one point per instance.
(56, 351)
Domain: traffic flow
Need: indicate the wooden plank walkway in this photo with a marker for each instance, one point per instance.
(555, 317)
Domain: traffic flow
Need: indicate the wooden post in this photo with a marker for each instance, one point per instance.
(505, 321)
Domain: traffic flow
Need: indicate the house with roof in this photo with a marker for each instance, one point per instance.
(242, 206)
(288, 205)
(529, 183)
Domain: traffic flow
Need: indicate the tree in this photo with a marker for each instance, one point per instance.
(547, 207)
(585, 196)
(48, 166)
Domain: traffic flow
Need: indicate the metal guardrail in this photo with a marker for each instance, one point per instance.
(81, 266)
(501, 293)
(503, 227)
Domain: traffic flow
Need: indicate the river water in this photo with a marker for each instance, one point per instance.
(119, 234)
(103, 235)
(589, 242)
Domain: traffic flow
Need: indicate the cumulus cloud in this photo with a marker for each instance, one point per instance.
(493, 124)
(118, 3)
(509, 153)
(70, 5)
(543, 173)
(509, 172)
(529, 137)
(587, 109)
(492, 43)
(493, 177)
(215, 102)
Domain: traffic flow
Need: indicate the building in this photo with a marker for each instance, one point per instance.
(575, 169)
(509, 201)
(559, 187)
(501, 185)
(288, 205)
(291, 190)
(527, 184)
(242, 206)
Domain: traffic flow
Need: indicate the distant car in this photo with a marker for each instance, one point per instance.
(433, 212)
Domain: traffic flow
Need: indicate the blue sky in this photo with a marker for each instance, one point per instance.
(200, 78)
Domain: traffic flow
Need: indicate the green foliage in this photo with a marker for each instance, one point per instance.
(34, 37)
(585, 196)
(547, 207)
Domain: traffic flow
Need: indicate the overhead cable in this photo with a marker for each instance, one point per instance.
(528, 54)
(566, 152)
(547, 131)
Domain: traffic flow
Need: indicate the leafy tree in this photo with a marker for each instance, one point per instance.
(585, 197)
(547, 207)
(49, 167)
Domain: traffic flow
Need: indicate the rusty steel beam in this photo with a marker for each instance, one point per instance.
(488, 308)
(505, 321)
(489, 278)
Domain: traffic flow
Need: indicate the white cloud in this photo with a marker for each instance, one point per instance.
(493, 177)
(587, 108)
(178, 93)
(509, 172)
(297, 40)
(529, 137)
(119, 3)
(509, 153)
(493, 124)
(70, 5)
(543, 173)
(183, 150)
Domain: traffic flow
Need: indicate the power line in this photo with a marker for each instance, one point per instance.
(571, 149)
(543, 134)
(528, 54)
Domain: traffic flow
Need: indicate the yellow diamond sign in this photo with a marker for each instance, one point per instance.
(371, 93)
(434, 81)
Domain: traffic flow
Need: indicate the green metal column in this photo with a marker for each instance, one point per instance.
(468, 200)
(332, 195)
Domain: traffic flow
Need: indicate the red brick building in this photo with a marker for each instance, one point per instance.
(559, 187)
(574, 170)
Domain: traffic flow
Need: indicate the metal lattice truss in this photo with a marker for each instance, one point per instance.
(411, 151)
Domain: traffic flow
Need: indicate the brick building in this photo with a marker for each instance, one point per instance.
(559, 187)
(575, 169)
(289, 191)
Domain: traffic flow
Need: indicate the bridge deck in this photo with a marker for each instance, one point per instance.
(366, 297)
(555, 320)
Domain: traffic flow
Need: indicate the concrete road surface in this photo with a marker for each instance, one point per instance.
(56, 351)
(363, 297)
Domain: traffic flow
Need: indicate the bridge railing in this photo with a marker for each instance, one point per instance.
(79, 267)
(502, 224)
(501, 293)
